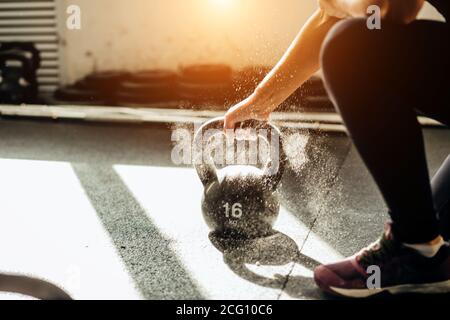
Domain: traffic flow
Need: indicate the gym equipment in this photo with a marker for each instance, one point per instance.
(14, 89)
(148, 87)
(200, 94)
(31, 287)
(206, 85)
(318, 103)
(102, 86)
(103, 81)
(72, 95)
(311, 96)
(98, 88)
(18, 83)
(17, 59)
(313, 87)
(242, 201)
(28, 48)
(154, 77)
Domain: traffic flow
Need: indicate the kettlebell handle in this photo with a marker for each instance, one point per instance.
(206, 169)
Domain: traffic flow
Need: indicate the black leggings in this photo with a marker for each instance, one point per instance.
(441, 194)
(379, 80)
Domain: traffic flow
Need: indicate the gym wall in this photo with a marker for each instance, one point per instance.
(145, 34)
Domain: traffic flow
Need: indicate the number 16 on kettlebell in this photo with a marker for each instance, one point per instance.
(236, 210)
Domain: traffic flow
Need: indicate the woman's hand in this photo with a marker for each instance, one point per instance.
(246, 110)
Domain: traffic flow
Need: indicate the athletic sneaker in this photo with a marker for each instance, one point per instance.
(401, 270)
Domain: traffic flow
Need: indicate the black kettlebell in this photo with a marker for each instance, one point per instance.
(241, 202)
(18, 78)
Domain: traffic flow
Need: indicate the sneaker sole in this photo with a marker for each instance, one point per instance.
(426, 288)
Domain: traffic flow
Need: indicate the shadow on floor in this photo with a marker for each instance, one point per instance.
(277, 249)
(147, 254)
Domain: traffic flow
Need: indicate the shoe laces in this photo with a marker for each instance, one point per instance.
(379, 252)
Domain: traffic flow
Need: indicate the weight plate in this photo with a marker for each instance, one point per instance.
(313, 87)
(147, 88)
(144, 98)
(75, 95)
(154, 77)
(105, 81)
(17, 59)
(32, 52)
(317, 103)
(205, 91)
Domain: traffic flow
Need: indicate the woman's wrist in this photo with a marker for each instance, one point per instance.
(260, 99)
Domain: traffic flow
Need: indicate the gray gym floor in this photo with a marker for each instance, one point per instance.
(101, 210)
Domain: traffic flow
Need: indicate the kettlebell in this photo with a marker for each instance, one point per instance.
(241, 201)
(18, 78)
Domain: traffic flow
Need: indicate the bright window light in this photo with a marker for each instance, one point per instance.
(222, 3)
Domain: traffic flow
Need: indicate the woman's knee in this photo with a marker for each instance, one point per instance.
(357, 61)
(347, 45)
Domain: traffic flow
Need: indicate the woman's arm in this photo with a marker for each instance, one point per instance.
(301, 60)
(296, 66)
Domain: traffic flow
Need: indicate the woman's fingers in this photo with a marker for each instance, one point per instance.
(228, 122)
(231, 118)
(235, 116)
(245, 110)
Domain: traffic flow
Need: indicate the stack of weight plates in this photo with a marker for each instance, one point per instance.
(313, 96)
(73, 95)
(153, 88)
(97, 88)
(104, 84)
(19, 62)
(310, 97)
(208, 86)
